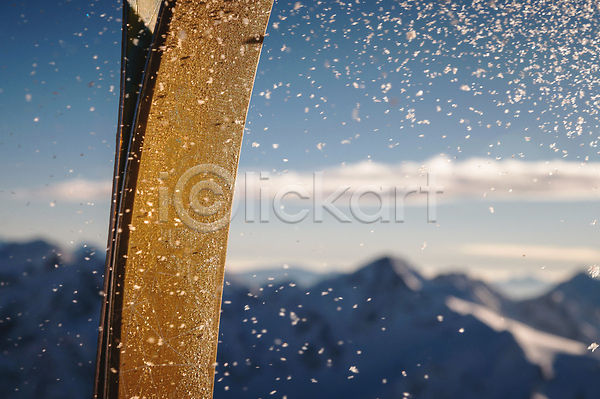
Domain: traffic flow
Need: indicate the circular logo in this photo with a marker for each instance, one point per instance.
(194, 203)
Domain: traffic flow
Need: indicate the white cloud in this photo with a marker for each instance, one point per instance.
(533, 252)
(472, 178)
(510, 179)
(74, 190)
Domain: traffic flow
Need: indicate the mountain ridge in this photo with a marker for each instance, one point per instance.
(378, 332)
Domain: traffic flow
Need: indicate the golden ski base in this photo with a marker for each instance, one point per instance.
(187, 164)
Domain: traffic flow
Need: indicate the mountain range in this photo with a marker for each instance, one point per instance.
(383, 331)
(387, 332)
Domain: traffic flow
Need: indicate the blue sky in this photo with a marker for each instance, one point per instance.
(58, 103)
(513, 88)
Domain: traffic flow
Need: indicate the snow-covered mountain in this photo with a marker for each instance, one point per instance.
(49, 315)
(571, 310)
(383, 331)
(386, 332)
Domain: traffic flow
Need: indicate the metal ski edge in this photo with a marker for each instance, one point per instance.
(134, 37)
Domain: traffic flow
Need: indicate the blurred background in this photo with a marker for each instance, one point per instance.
(496, 298)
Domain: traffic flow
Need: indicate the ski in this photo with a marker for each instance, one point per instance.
(186, 78)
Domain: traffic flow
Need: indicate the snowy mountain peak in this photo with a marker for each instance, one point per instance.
(22, 259)
(390, 270)
(581, 288)
(464, 287)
